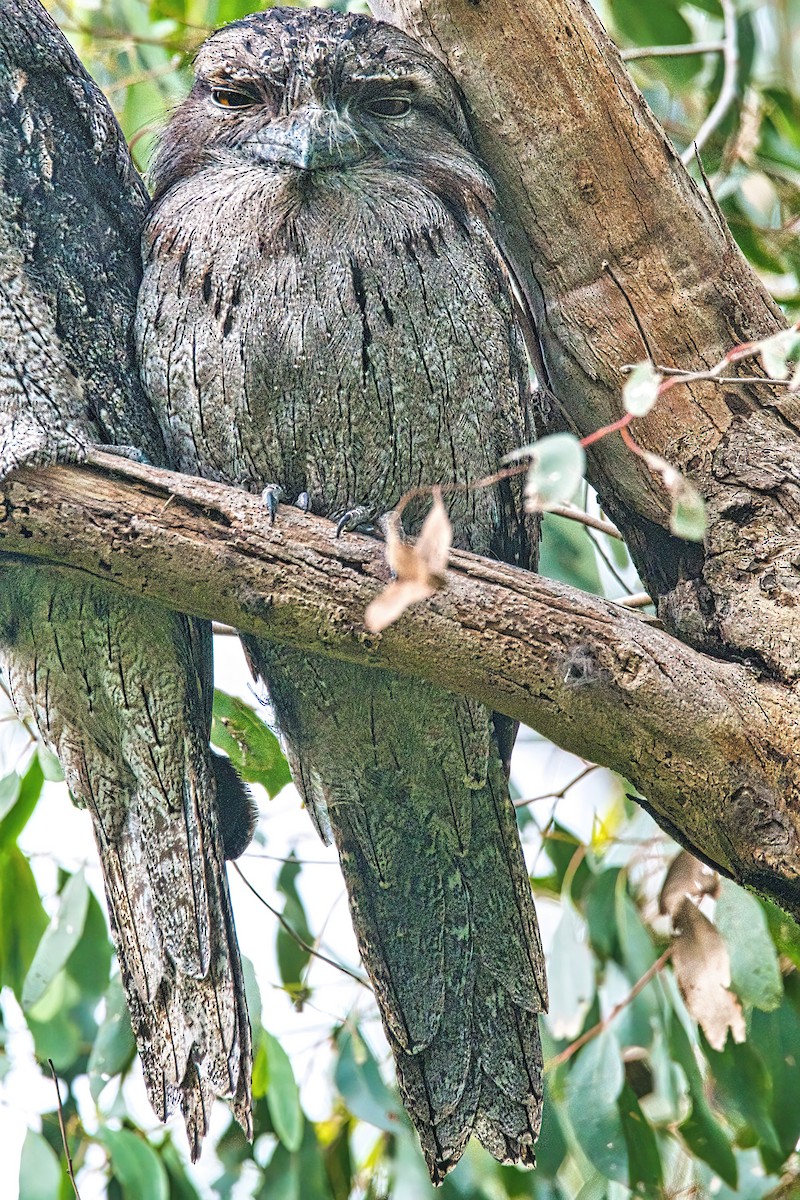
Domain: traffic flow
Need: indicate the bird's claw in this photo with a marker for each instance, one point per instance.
(360, 517)
(271, 496)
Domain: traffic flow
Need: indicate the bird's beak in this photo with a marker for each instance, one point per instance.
(310, 138)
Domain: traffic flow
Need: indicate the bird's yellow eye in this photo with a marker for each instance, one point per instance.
(230, 98)
(390, 106)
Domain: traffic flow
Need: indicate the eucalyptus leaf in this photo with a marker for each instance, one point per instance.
(778, 351)
(283, 1097)
(640, 390)
(558, 463)
(23, 920)
(40, 1174)
(359, 1081)
(113, 1047)
(135, 1164)
(58, 940)
(593, 1086)
(688, 517)
(755, 973)
(571, 975)
(250, 744)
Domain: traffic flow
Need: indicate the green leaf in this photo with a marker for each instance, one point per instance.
(51, 767)
(778, 351)
(593, 1086)
(135, 1164)
(640, 390)
(755, 974)
(114, 1046)
(636, 944)
(283, 1098)
(551, 1147)
(312, 1176)
(777, 1036)
(58, 940)
(280, 1177)
(359, 1081)
(40, 1172)
(17, 818)
(561, 847)
(688, 516)
(23, 920)
(600, 907)
(180, 1185)
(567, 554)
(9, 792)
(644, 1161)
(292, 958)
(705, 1139)
(570, 971)
(744, 1093)
(90, 962)
(701, 1132)
(251, 746)
(53, 1025)
(784, 931)
(558, 462)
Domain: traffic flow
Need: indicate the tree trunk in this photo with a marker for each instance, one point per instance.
(588, 177)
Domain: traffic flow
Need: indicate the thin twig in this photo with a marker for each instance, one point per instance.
(573, 513)
(63, 1128)
(601, 1026)
(302, 943)
(609, 270)
(301, 862)
(560, 794)
(717, 378)
(448, 489)
(608, 563)
(128, 81)
(637, 600)
(684, 48)
(614, 427)
(727, 92)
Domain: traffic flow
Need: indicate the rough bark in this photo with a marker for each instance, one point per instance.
(713, 748)
(587, 176)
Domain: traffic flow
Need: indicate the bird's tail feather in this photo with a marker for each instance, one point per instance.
(417, 799)
(120, 690)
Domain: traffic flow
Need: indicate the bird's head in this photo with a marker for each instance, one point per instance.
(314, 95)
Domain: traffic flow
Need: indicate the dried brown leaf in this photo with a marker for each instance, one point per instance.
(686, 876)
(419, 568)
(703, 972)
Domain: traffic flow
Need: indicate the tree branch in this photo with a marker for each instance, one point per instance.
(706, 743)
(586, 175)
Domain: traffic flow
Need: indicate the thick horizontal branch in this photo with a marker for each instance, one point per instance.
(697, 737)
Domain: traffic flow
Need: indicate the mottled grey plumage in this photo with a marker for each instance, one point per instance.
(120, 689)
(324, 307)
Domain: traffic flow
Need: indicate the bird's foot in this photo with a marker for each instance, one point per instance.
(359, 518)
(273, 495)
